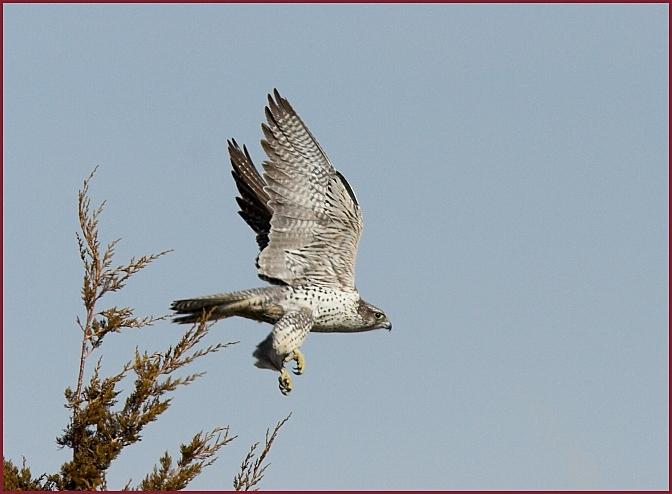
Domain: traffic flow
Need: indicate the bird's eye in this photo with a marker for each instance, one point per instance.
(379, 315)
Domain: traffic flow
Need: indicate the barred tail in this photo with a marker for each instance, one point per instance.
(221, 305)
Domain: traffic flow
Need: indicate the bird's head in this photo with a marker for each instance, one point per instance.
(373, 317)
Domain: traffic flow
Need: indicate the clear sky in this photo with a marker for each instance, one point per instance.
(512, 165)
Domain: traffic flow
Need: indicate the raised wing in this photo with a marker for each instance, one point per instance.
(253, 200)
(316, 222)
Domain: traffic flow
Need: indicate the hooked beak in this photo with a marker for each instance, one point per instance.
(388, 326)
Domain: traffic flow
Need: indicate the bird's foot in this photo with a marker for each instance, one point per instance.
(285, 382)
(300, 360)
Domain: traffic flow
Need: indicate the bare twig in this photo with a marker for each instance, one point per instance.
(251, 470)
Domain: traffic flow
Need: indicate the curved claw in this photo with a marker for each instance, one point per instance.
(300, 363)
(300, 360)
(285, 382)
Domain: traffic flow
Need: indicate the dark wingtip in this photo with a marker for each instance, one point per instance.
(268, 133)
(269, 115)
(247, 153)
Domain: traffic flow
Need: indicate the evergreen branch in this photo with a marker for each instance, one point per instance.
(99, 426)
(99, 278)
(15, 479)
(97, 432)
(194, 457)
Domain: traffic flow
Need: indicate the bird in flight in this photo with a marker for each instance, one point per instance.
(308, 224)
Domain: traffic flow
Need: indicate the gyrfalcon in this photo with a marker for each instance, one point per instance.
(308, 224)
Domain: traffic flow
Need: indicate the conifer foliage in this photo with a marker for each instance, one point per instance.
(101, 425)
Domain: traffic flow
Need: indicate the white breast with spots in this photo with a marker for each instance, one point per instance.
(332, 309)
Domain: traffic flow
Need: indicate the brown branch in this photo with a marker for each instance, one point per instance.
(99, 279)
(194, 457)
(100, 427)
(82, 362)
(251, 470)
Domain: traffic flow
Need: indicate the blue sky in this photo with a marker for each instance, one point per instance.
(512, 165)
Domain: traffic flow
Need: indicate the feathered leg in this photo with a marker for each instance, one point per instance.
(283, 343)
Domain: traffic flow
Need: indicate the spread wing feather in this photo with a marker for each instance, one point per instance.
(253, 200)
(316, 222)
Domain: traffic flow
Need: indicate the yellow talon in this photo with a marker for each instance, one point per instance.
(285, 382)
(300, 362)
